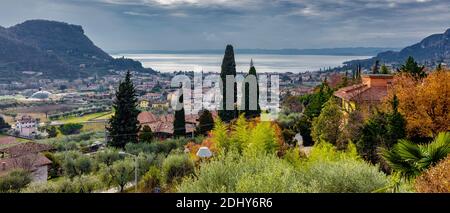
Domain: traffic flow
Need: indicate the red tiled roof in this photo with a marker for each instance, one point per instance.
(362, 92)
(164, 123)
(26, 119)
(27, 162)
(8, 140)
(348, 93)
(147, 117)
(25, 149)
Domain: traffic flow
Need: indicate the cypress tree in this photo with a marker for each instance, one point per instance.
(384, 69)
(251, 113)
(228, 68)
(3, 124)
(376, 67)
(124, 125)
(396, 123)
(206, 123)
(179, 123)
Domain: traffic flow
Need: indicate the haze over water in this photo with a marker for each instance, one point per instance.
(262, 62)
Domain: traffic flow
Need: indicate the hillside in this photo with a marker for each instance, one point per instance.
(58, 50)
(431, 50)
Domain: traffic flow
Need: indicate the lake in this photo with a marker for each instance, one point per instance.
(263, 63)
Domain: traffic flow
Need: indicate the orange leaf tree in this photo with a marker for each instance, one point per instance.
(424, 103)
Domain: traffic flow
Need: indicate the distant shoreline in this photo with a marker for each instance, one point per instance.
(354, 51)
(264, 63)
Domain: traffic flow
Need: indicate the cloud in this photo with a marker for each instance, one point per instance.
(132, 13)
(190, 24)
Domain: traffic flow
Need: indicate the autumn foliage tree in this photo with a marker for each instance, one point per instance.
(435, 179)
(424, 103)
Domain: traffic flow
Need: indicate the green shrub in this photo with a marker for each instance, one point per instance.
(74, 163)
(151, 180)
(145, 161)
(175, 167)
(119, 174)
(54, 170)
(15, 181)
(327, 170)
(79, 184)
(219, 175)
(343, 176)
(70, 128)
(107, 156)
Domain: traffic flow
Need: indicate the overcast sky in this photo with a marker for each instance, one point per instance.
(211, 24)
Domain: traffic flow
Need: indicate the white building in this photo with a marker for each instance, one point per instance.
(26, 126)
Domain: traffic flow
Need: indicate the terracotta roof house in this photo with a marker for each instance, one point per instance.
(37, 164)
(26, 156)
(162, 126)
(371, 91)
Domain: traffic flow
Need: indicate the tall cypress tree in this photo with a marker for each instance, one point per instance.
(249, 112)
(179, 123)
(124, 125)
(228, 68)
(3, 124)
(376, 67)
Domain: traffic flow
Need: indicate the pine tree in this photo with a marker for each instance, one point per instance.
(206, 123)
(384, 69)
(228, 68)
(124, 125)
(146, 135)
(251, 113)
(179, 123)
(413, 69)
(383, 129)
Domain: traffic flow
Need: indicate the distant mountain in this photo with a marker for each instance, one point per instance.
(431, 51)
(351, 51)
(58, 50)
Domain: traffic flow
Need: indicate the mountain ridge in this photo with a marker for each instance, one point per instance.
(430, 51)
(57, 49)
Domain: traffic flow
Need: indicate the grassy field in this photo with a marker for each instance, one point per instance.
(85, 118)
(93, 127)
(106, 116)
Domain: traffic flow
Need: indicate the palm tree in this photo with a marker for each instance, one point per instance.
(410, 159)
